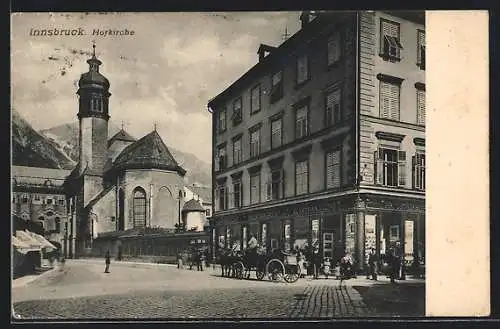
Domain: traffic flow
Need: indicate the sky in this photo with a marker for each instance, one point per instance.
(165, 73)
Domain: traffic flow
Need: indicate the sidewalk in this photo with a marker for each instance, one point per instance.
(24, 280)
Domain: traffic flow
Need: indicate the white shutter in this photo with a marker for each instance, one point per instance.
(394, 101)
(420, 44)
(390, 29)
(384, 99)
(420, 107)
(333, 169)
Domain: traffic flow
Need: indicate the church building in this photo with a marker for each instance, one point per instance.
(119, 183)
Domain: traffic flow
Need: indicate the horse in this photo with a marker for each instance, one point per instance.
(226, 258)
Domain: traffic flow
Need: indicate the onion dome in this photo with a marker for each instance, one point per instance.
(93, 78)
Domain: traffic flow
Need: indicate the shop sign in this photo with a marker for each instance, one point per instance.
(409, 240)
(350, 234)
(370, 234)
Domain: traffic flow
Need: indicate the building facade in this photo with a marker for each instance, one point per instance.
(323, 140)
(38, 196)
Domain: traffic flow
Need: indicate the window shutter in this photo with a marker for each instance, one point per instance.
(378, 167)
(402, 168)
(390, 29)
(333, 106)
(420, 107)
(394, 102)
(384, 99)
(414, 172)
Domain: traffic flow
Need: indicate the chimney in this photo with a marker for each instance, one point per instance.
(304, 18)
(307, 16)
(264, 50)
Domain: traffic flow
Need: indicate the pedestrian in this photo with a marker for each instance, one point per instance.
(372, 264)
(107, 261)
(199, 261)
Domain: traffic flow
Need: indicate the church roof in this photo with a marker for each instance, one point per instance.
(192, 205)
(122, 135)
(204, 192)
(149, 152)
(99, 196)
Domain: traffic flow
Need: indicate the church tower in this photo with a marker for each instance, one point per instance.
(93, 115)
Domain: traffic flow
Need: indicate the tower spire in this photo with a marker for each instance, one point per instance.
(93, 48)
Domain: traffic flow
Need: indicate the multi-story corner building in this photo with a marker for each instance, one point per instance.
(38, 196)
(323, 140)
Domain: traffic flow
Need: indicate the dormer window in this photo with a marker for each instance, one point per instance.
(390, 40)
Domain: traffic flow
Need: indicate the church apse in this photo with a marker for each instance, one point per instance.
(165, 211)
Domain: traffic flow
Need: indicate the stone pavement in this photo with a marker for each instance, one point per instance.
(144, 291)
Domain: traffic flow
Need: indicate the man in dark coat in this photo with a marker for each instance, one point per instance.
(372, 264)
(107, 261)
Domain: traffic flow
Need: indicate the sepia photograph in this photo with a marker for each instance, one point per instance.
(218, 165)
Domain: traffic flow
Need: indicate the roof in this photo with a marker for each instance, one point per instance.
(37, 172)
(149, 152)
(204, 192)
(192, 205)
(122, 135)
(99, 196)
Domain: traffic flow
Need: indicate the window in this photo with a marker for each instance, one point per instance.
(301, 122)
(139, 207)
(37, 197)
(276, 87)
(421, 49)
(255, 188)
(237, 201)
(275, 185)
(49, 200)
(390, 44)
(333, 179)
(394, 233)
(301, 177)
(276, 133)
(237, 111)
(389, 100)
(207, 212)
(25, 198)
(390, 166)
(57, 225)
(420, 107)
(334, 48)
(97, 104)
(221, 157)
(255, 99)
(61, 201)
(237, 156)
(418, 168)
(302, 69)
(221, 115)
(333, 115)
(221, 197)
(255, 143)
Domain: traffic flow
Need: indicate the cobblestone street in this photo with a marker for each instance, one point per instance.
(82, 290)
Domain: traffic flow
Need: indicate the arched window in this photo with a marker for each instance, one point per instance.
(139, 207)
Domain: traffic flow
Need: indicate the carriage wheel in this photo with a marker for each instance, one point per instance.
(239, 270)
(275, 269)
(259, 272)
(292, 273)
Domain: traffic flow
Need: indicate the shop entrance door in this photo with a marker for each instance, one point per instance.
(328, 245)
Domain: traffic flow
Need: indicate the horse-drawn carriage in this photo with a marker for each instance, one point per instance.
(276, 265)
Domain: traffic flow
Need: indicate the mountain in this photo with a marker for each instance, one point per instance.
(66, 137)
(30, 148)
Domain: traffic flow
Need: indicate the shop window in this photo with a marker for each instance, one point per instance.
(394, 233)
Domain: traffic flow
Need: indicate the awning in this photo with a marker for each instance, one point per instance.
(19, 244)
(44, 243)
(25, 237)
